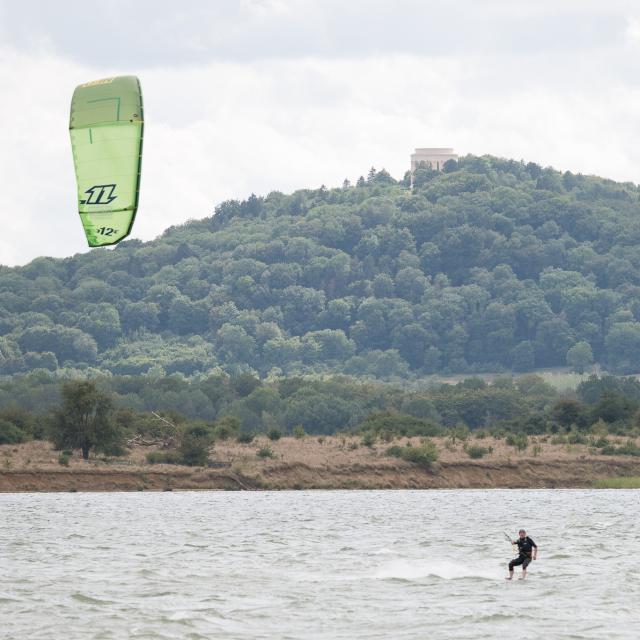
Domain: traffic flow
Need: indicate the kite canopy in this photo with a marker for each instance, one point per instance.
(106, 127)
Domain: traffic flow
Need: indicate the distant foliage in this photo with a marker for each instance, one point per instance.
(489, 265)
(106, 412)
(398, 423)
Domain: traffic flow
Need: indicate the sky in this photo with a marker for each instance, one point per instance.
(254, 96)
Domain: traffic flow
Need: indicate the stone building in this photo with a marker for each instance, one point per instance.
(435, 157)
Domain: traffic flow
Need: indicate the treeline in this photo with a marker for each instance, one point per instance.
(31, 406)
(492, 265)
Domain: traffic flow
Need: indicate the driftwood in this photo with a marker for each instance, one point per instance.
(167, 441)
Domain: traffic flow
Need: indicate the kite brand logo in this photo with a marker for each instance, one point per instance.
(100, 194)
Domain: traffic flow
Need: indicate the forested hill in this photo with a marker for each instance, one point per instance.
(492, 265)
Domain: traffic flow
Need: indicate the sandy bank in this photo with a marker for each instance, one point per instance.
(312, 463)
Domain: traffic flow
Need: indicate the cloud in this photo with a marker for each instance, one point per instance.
(149, 33)
(221, 125)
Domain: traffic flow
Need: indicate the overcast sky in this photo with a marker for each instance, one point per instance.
(247, 96)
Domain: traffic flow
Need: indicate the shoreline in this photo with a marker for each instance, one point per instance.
(316, 463)
(524, 474)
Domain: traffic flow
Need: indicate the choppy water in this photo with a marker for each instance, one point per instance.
(322, 564)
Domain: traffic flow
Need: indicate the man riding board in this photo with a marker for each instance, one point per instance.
(527, 551)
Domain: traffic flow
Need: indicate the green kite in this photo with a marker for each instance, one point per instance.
(106, 128)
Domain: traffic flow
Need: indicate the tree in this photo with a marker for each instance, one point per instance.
(523, 356)
(570, 412)
(84, 420)
(194, 445)
(623, 346)
(580, 356)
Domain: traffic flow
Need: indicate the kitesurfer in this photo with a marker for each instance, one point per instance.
(527, 551)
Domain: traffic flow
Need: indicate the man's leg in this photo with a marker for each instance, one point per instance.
(525, 564)
(512, 564)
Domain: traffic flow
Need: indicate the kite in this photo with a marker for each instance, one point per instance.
(106, 128)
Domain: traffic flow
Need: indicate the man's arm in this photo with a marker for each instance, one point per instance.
(534, 554)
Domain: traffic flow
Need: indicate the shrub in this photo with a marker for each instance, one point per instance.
(164, 457)
(226, 428)
(246, 437)
(519, 441)
(461, 432)
(299, 432)
(399, 423)
(476, 452)
(114, 449)
(369, 439)
(274, 434)
(353, 446)
(24, 420)
(64, 458)
(630, 448)
(537, 450)
(10, 433)
(424, 455)
(574, 437)
(265, 452)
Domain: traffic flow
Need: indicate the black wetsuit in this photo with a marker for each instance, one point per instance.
(525, 547)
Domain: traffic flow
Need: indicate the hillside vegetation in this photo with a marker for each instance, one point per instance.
(492, 265)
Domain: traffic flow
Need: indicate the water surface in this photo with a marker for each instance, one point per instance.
(317, 564)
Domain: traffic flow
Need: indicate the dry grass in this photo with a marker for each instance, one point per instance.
(326, 452)
(313, 463)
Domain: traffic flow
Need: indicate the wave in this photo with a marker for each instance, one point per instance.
(80, 597)
(444, 569)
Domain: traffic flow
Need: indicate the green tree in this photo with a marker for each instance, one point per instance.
(568, 412)
(84, 420)
(623, 347)
(580, 357)
(523, 356)
(195, 442)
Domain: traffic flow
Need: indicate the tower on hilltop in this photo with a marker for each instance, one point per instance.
(433, 157)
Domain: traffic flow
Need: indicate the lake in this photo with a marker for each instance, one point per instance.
(318, 564)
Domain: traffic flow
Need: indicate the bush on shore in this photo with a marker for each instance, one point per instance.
(475, 451)
(424, 455)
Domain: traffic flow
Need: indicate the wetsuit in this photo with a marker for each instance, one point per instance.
(525, 546)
